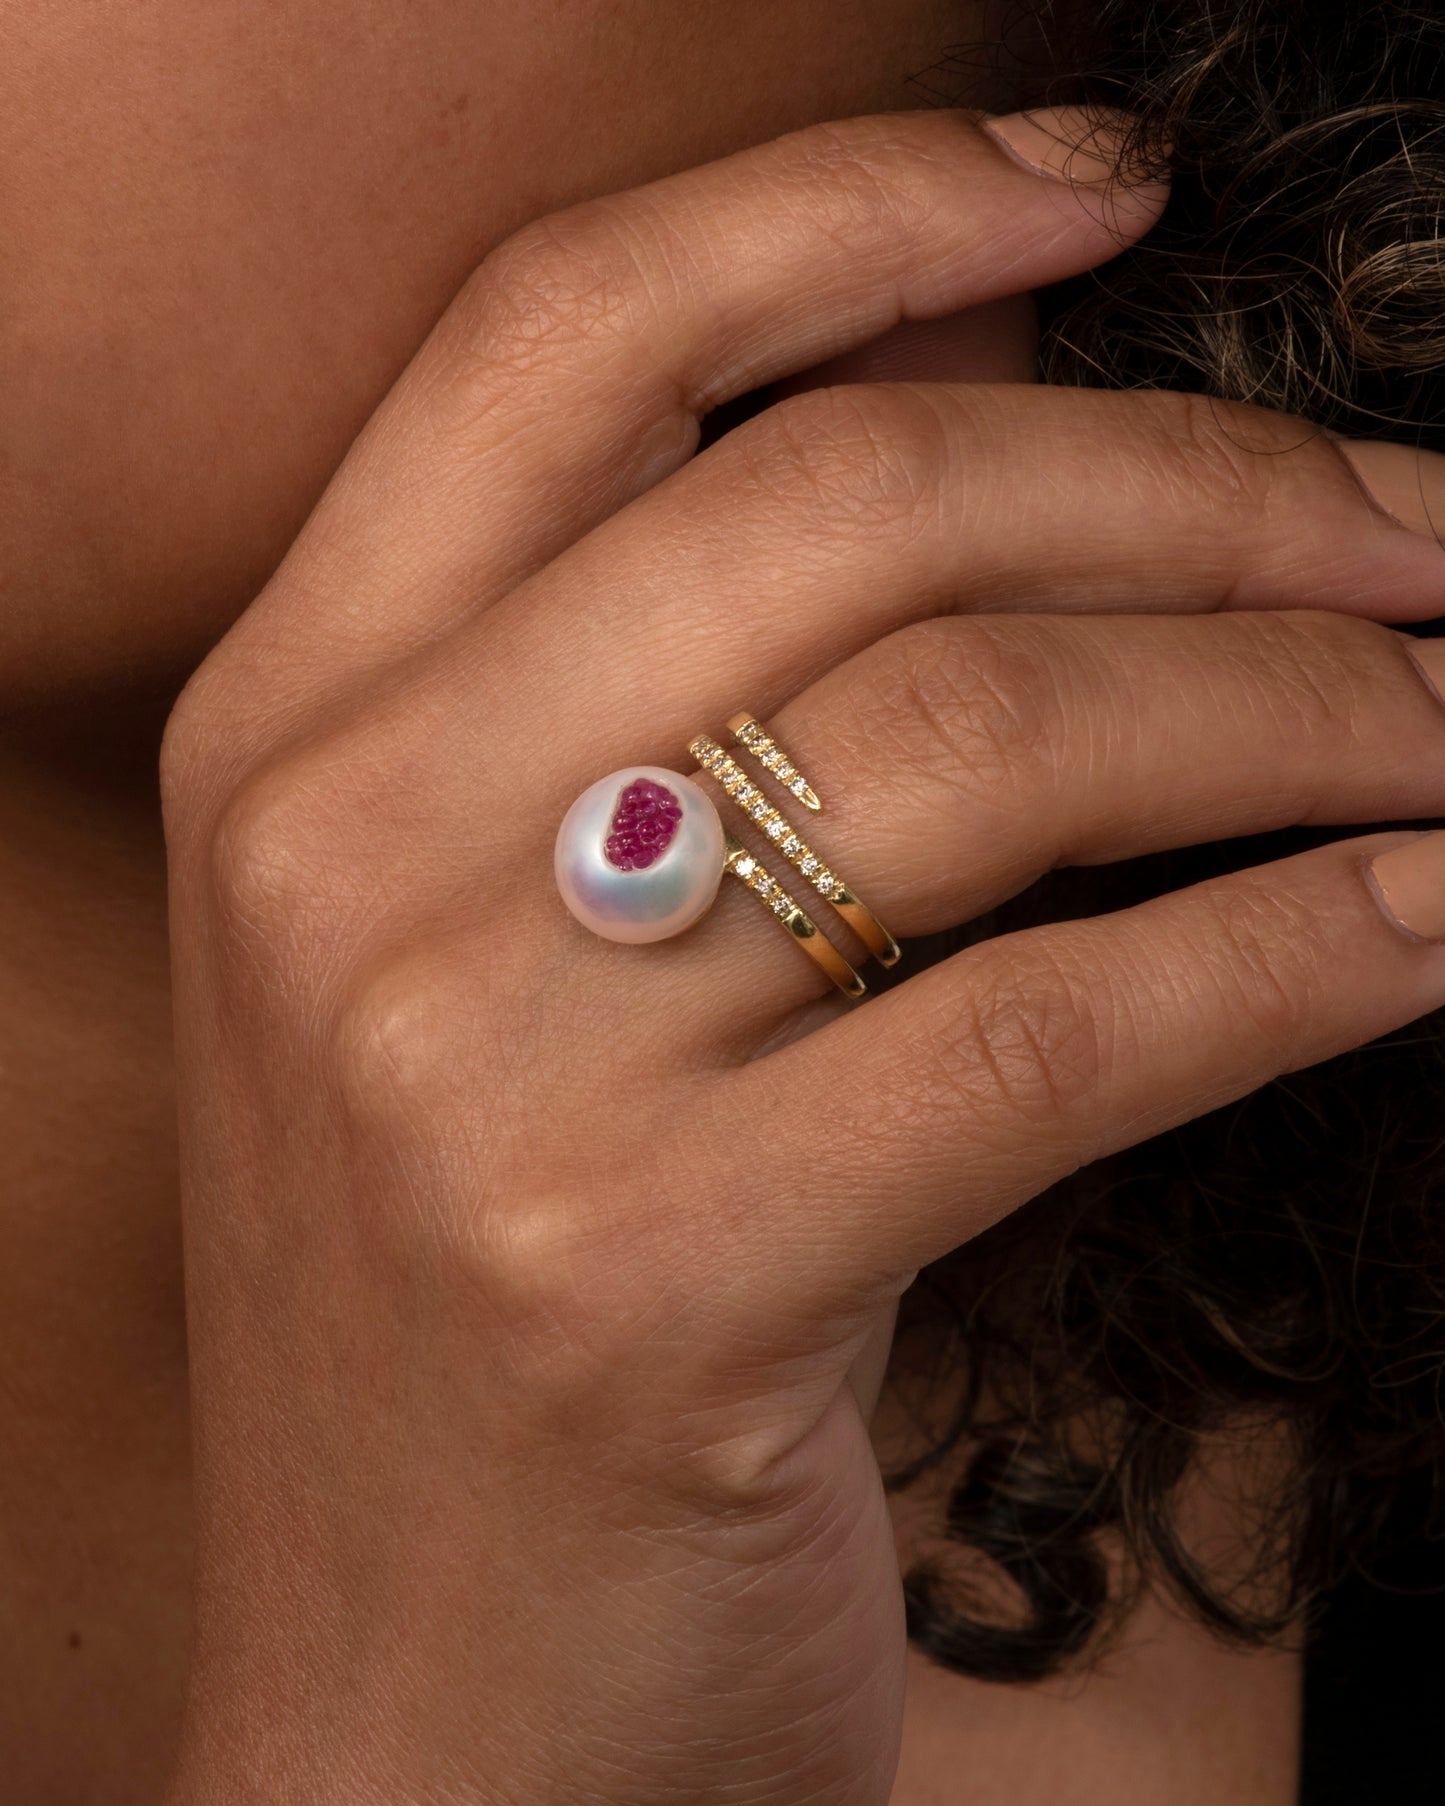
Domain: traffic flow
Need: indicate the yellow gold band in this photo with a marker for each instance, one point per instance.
(771, 822)
(796, 920)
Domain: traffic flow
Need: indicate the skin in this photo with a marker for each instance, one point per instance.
(177, 539)
(190, 337)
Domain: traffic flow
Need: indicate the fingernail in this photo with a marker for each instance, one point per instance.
(1067, 144)
(1409, 885)
(1429, 657)
(1407, 483)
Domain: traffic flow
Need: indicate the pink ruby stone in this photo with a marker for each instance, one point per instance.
(643, 825)
(640, 855)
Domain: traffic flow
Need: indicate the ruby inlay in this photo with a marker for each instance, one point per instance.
(643, 824)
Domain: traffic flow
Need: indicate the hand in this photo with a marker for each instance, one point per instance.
(525, 1286)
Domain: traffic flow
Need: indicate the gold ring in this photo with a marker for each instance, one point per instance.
(770, 821)
(804, 930)
(640, 854)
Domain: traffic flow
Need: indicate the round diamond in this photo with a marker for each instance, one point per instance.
(777, 828)
(782, 904)
(825, 883)
(758, 810)
(797, 786)
(746, 866)
(792, 845)
(765, 887)
(810, 865)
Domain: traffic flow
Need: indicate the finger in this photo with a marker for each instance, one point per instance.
(570, 373)
(857, 511)
(852, 511)
(909, 1126)
(963, 758)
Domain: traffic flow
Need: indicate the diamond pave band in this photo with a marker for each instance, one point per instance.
(771, 822)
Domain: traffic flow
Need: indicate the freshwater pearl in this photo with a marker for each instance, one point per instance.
(639, 855)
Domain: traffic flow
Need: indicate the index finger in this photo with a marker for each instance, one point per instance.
(572, 370)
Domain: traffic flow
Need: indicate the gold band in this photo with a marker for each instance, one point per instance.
(804, 930)
(771, 822)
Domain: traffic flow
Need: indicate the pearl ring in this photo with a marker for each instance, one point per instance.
(641, 853)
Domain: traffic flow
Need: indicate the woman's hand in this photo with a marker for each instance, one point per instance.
(525, 1288)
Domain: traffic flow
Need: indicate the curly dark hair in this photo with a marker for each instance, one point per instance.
(1273, 1273)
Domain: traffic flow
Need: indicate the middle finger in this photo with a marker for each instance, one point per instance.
(843, 514)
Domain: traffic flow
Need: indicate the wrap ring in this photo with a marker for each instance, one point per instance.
(642, 852)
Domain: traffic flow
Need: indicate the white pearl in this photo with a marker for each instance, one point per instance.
(649, 904)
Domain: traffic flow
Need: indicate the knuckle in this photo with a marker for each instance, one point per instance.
(274, 881)
(1217, 454)
(564, 281)
(196, 744)
(1316, 667)
(405, 1042)
(1265, 957)
(856, 458)
(417, 1049)
(549, 1266)
(962, 704)
(1028, 1045)
(215, 734)
(184, 758)
(560, 1284)
(865, 171)
(187, 725)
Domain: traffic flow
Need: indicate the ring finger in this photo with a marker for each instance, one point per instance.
(961, 758)
(973, 754)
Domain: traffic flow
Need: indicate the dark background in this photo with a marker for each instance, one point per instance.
(1375, 1690)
